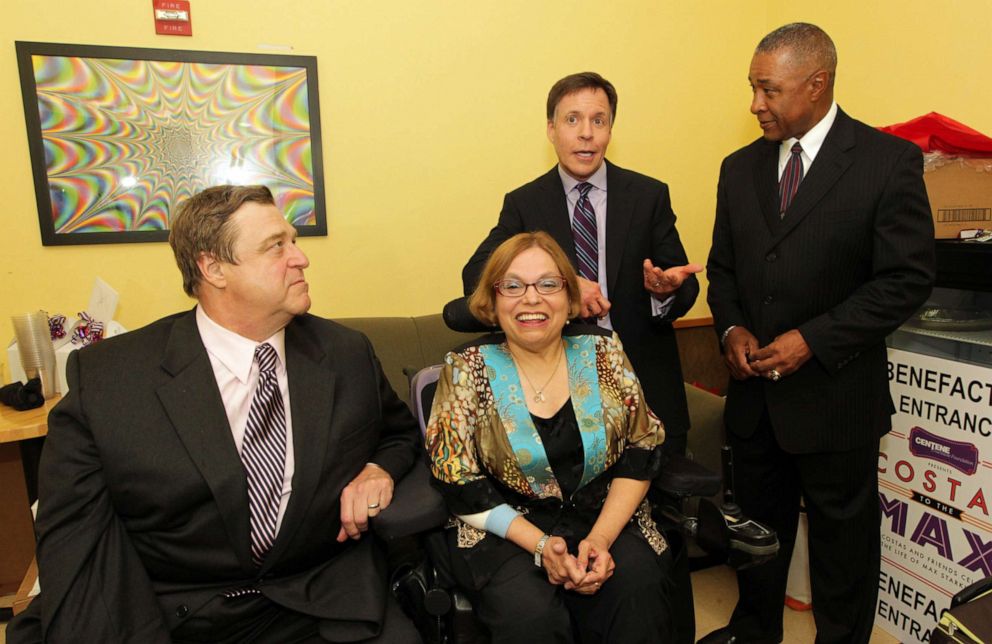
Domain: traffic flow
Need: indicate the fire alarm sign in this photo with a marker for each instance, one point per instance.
(172, 17)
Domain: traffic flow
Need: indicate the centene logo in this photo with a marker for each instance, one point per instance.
(959, 455)
(933, 446)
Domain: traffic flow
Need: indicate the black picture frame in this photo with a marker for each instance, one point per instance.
(119, 136)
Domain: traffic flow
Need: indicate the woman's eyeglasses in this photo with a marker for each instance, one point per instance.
(516, 288)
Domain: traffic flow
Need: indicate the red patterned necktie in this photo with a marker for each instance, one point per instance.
(791, 178)
(263, 453)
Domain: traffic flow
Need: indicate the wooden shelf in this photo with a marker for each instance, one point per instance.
(22, 425)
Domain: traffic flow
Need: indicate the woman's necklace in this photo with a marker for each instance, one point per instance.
(539, 393)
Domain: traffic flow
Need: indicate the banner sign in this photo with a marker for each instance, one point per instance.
(935, 485)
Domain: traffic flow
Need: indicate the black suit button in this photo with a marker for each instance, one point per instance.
(182, 611)
(768, 299)
(771, 257)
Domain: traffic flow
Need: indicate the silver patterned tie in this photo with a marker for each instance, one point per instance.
(263, 453)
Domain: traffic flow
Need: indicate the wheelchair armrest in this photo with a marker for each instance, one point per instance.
(976, 589)
(684, 477)
(416, 506)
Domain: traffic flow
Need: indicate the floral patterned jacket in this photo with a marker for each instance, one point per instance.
(485, 450)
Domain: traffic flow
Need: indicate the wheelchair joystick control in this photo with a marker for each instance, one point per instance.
(729, 506)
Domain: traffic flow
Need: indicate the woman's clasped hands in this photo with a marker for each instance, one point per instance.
(585, 573)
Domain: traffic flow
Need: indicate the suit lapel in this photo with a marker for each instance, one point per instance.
(193, 403)
(618, 215)
(311, 399)
(557, 219)
(830, 164)
(766, 183)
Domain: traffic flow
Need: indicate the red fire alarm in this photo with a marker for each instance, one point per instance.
(172, 17)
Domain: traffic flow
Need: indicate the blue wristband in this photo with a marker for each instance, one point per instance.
(500, 518)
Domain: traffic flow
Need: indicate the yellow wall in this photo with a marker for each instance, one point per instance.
(433, 109)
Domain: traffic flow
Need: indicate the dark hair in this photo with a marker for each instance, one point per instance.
(808, 44)
(201, 225)
(482, 302)
(575, 82)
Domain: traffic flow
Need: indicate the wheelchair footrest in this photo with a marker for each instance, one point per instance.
(752, 537)
(751, 543)
(745, 542)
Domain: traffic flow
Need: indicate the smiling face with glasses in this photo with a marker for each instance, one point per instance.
(532, 301)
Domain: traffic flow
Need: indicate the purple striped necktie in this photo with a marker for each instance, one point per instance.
(791, 177)
(263, 453)
(584, 232)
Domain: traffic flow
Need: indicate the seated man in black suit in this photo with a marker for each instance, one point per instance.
(209, 477)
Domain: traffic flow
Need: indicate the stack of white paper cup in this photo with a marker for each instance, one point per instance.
(34, 343)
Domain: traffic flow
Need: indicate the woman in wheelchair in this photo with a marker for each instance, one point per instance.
(543, 448)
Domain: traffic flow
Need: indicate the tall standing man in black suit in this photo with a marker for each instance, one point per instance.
(209, 477)
(822, 246)
(633, 270)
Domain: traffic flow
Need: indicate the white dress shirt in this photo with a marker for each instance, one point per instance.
(233, 360)
(812, 141)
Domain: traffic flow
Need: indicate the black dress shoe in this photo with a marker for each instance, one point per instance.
(720, 636)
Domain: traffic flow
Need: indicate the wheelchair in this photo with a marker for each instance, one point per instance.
(442, 612)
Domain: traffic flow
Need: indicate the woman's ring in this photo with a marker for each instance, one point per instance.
(373, 506)
(774, 375)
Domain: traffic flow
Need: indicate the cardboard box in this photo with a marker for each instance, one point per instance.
(960, 193)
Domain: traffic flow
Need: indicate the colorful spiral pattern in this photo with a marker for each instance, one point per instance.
(127, 140)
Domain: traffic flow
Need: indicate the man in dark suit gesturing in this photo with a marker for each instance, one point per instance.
(208, 478)
(822, 246)
(618, 229)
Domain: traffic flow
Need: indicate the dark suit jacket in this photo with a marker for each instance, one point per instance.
(143, 514)
(640, 225)
(850, 261)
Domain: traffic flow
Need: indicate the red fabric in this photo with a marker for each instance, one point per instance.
(936, 133)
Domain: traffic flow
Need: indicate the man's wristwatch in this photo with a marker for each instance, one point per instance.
(539, 550)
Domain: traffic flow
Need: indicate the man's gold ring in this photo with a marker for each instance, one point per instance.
(375, 506)
(774, 375)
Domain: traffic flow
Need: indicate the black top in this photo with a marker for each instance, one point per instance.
(563, 445)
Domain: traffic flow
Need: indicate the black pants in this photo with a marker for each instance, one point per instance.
(840, 492)
(518, 604)
(256, 620)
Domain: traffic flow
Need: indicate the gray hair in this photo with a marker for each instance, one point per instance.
(808, 44)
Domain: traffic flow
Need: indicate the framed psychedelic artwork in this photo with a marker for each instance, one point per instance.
(120, 136)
